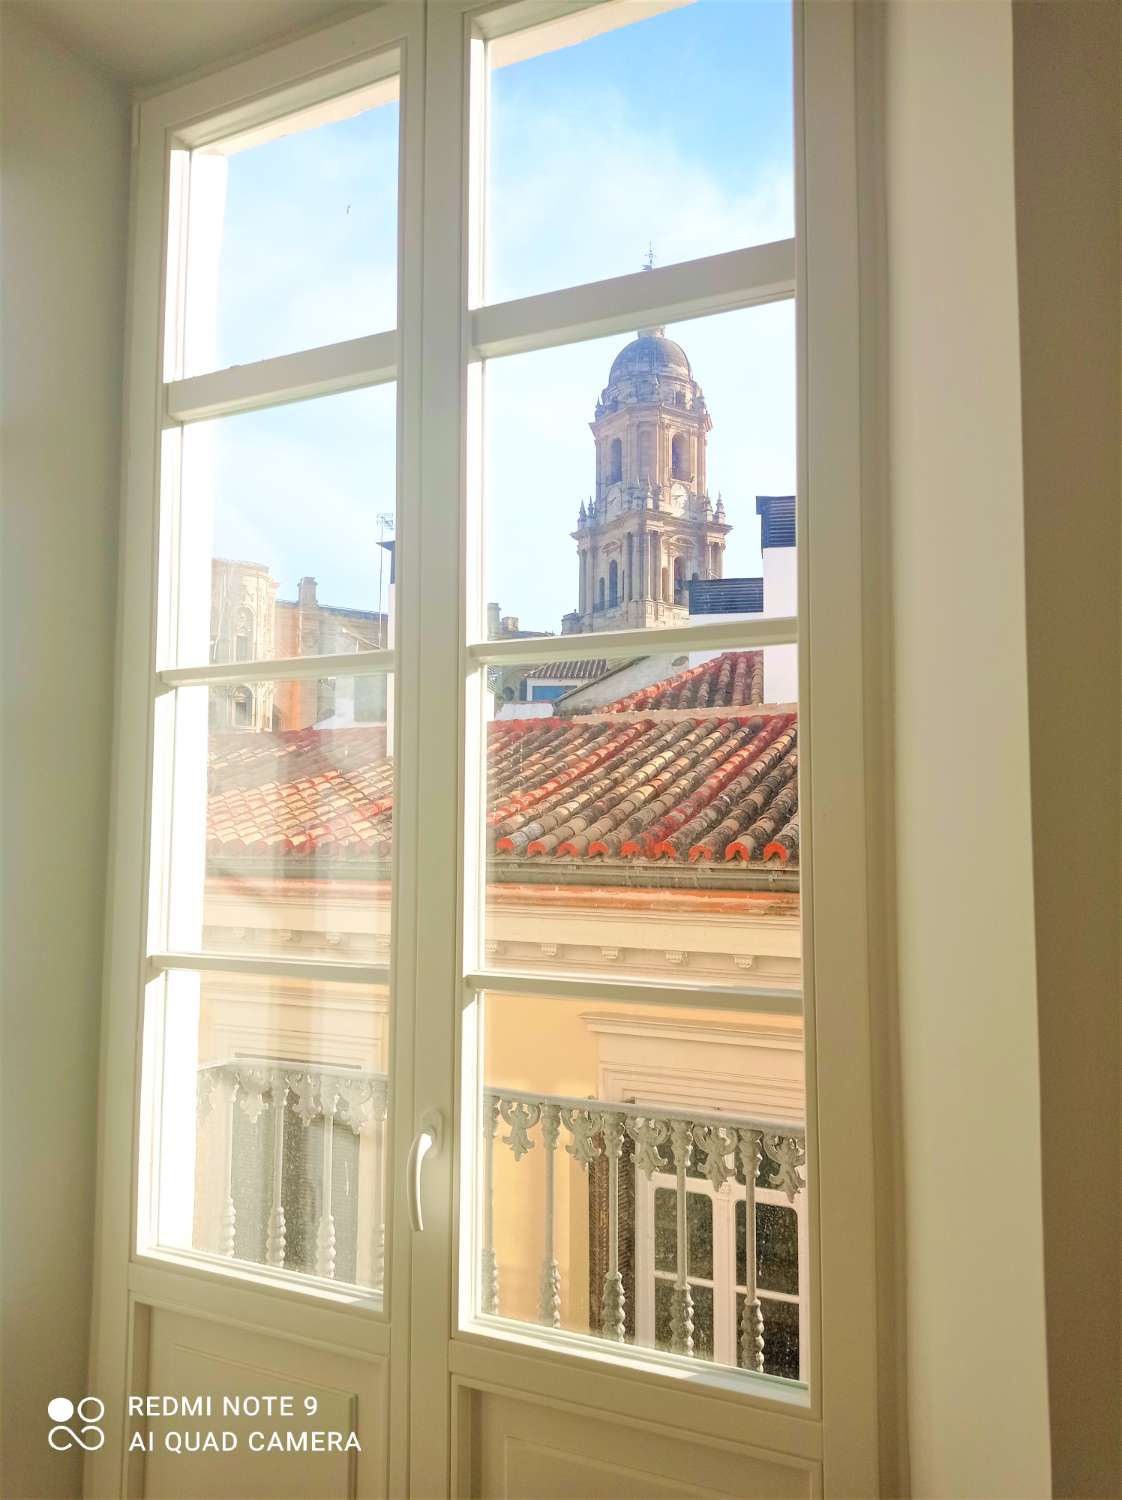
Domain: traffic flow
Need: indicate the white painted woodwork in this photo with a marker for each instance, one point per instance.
(745, 632)
(287, 668)
(533, 1449)
(185, 1354)
(619, 304)
(371, 360)
(206, 1319)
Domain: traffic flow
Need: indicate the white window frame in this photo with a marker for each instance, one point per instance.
(436, 363)
(133, 1272)
(842, 1293)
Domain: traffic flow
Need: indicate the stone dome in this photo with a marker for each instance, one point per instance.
(650, 368)
(651, 353)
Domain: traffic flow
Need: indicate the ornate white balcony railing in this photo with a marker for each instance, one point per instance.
(681, 1143)
(270, 1107)
(306, 1092)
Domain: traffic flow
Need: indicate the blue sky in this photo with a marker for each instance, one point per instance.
(674, 131)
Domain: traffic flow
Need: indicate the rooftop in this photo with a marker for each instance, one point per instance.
(615, 789)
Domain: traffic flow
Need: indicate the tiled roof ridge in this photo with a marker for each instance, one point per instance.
(733, 679)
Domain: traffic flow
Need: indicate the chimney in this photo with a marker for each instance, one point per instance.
(509, 624)
(492, 622)
(306, 591)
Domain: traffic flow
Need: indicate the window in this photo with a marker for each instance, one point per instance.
(423, 649)
(734, 1321)
(269, 1069)
(242, 704)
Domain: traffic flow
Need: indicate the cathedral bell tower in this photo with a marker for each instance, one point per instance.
(650, 526)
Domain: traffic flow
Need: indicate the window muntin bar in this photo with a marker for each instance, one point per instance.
(287, 377)
(667, 294)
(294, 668)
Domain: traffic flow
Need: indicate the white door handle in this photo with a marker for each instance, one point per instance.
(427, 1139)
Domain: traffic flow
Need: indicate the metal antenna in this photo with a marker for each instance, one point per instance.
(648, 264)
(385, 523)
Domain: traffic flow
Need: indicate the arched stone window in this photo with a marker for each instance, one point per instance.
(600, 595)
(680, 465)
(242, 706)
(613, 584)
(647, 454)
(243, 638)
(679, 580)
(615, 462)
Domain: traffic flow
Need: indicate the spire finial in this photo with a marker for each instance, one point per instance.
(649, 263)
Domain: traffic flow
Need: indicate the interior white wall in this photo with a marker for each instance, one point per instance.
(977, 1383)
(64, 142)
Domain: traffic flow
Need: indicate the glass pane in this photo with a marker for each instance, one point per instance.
(699, 1232)
(665, 1230)
(272, 1122)
(699, 1235)
(568, 1090)
(282, 823)
(286, 540)
(614, 144)
(655, 838)
(781, 1335)
(677, 507)
(777, 1248)
(293, 234)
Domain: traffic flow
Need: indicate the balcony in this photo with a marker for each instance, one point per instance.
(683, 1231)
(277, 1187)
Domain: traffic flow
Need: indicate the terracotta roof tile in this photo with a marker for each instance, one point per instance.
(734, 679)
(570, 671)
(717, 789)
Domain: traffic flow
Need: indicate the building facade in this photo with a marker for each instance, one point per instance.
(248, 621)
